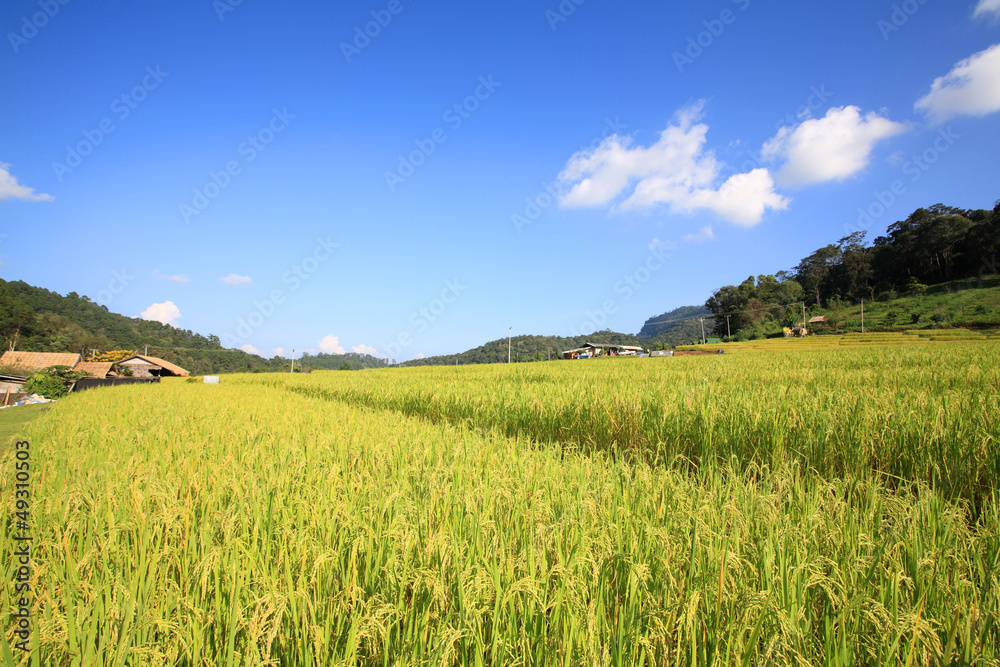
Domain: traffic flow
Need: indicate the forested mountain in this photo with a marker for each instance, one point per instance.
(932, 246)
(39, 320)
(349, 361)
(527, 348)
(679, 325)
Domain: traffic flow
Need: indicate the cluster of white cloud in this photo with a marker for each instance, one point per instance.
(234, 280)
(164, 313)
(971, 88)
(831, 148)
(331, 345)
(677, 170)
(158, 275)
(703, 234)
(988, 8)
(11, 189)
(680, 172)
(365, 349)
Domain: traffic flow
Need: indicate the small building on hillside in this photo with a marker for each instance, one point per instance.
(590, 350)
(819, 319)
(143, 366)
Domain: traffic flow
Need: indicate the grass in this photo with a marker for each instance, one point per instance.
(14, 421)
(747, 514)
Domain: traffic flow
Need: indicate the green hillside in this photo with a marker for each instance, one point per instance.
(38, 320)
(676, 326)
(527, 348)
(960, 303)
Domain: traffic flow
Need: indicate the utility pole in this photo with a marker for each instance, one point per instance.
(703, 340)
(291, 368)
(146, 353)
(862, 315)
(509, 329)
(728, 332)
(803, 315)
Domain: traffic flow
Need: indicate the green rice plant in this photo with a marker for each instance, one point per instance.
(504, 515)
(904, 413)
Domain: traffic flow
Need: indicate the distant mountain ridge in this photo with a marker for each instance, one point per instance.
(44, 321)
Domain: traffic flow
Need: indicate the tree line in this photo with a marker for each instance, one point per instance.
(931, 246)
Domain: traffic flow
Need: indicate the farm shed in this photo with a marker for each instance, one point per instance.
(33, 362)
(145, 366)
(97, 369)
(27, 363)
(11, 382)
(600, 350)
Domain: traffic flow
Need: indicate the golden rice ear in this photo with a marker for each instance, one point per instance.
(776, 504)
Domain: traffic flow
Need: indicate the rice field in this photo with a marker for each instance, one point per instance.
(870, 339)
(828, 507)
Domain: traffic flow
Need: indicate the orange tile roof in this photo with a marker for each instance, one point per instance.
(36, 361)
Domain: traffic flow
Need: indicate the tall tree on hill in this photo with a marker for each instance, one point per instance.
(853, 276)
(814, 271)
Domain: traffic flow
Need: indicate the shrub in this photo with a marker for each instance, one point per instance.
(45, 384)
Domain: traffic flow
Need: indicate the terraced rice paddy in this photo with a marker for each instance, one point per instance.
(826, 507)
(873, 339)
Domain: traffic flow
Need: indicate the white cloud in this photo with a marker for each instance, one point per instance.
(987, 8)
(234, 279)
(331, 345)
(420, 355)
(175, 278)
(251, 349)
(11, 189)
(704, 234)
(365, 349)
(658, 245)
(278, 352)
(676, 170)
(831, 148)
(971, 88)
(164, 313)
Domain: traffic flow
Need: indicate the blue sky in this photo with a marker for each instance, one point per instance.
(410, 178)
